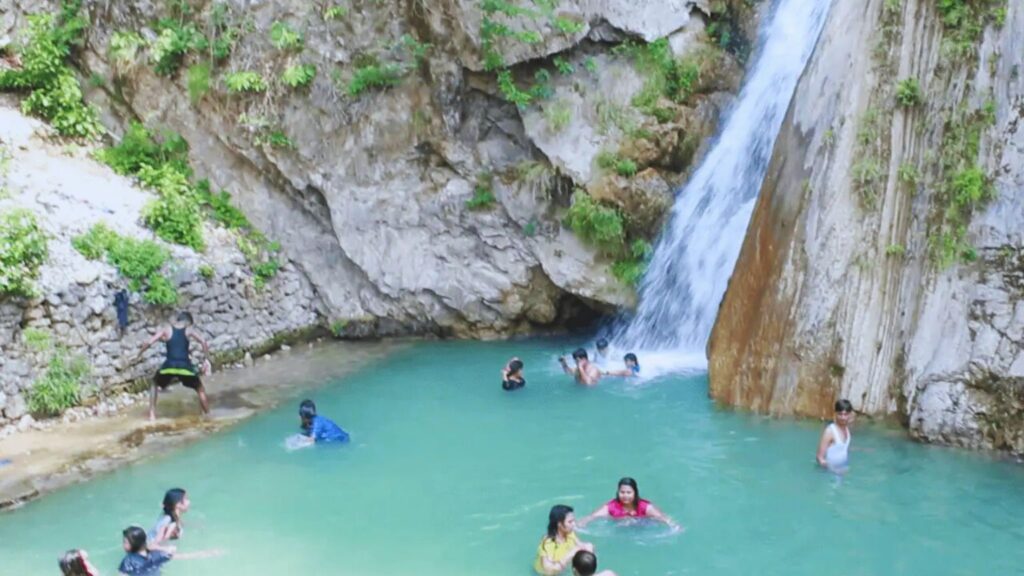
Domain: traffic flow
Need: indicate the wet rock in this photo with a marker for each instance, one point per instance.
(25, 423)
(16, 407)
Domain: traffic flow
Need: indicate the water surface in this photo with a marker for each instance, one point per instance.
(448, 474)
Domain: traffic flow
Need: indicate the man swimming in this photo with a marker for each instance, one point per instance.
(318, 429)
(178, 362)
(584, 372)
(632, 367)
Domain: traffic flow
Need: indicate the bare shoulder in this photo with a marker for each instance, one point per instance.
(606, 573)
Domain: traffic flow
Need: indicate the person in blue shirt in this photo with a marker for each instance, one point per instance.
(318, 429)
(140, 560)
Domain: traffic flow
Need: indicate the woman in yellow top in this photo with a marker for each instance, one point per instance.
(556, 549)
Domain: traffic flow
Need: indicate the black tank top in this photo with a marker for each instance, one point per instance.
(177, 350)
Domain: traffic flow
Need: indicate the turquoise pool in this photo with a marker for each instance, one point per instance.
(448, 474)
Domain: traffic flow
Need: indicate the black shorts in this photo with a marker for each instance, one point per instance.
(164, 380)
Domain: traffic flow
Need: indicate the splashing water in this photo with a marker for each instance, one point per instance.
(695, 256)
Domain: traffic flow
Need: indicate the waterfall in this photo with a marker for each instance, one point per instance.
(696, 253)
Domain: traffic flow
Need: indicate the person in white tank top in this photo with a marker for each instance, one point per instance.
(833, 449)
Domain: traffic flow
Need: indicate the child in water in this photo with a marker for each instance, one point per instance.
(76, 563)
(140, 560)
(317, 429)
(632, 367)
(584, 563)
(512, 375)
(558, 547)
(628, 504)
(178, 362)
(834, 446)
(169, 526)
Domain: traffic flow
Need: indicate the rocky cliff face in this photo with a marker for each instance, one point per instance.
(367, 190)
(884, 259)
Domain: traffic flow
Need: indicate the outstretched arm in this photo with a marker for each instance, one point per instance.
(660, 516)
(623, 373)
(601, 512)
(160, 334)
(826, 441)
(565, 366)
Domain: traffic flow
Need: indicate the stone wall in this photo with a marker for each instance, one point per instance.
(69, 192)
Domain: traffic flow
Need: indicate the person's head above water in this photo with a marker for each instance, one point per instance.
(631, 362)
(602, 345)
(134, 539)
(579, 354)
(628, 494)
(584, 563)
(515, 368)
(183, 319)
(307, 411)
(76, 563)
(561, 521)
(175, 502)
(844, 410)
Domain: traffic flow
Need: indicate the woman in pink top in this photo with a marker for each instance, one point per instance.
(628, 504)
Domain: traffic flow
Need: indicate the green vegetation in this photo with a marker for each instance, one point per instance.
(206, 271)
(258, 251)
(558, 115)
(36, 339)
(124, 50)
(564, 67)
(5, 169)
(418, 50)
(511, 92)
(140, 261)
(963, 22)
(299, 76)
(908, 173)
(965, 186)
(59, 388)
(725, 27)
(483, 196)
(338, 327)
(174, 42)
(374, 75)
(669, 78)
(335, 12)
(198, 81)
(895, 250)
(631, 268)
(568, 26)
(245, 81)
(621, 166)
(590, 65)
(53, 91)
(284, 38)
(597, 225)
(24, 250)
(908, 93)
(869, 171)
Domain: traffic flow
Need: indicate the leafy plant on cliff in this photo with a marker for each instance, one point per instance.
(630, 268)
(124, 50)
(558, 115)
(374, 75)
(334, 12)
(175, 40)
(284, 38)
(483, 197)
(299, 76)
(60, 386)
(23, 249)
(198, 81)
(621, 166)
(53, 91)
(598, 225)
(140, 261)
(245, 81)
(568, 26)
(963, 22)
(908, 93)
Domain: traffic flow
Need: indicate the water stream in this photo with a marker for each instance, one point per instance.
(697, 251)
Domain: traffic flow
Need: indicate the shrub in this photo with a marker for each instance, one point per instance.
(374, 76)
(568, 26)
(245, 81)
(54, 93)
(332, 13)
(60, 386)
(22, 251)
(621, 166)
(221, 208)
(198, 81)
(174, 42)
(95, 242)
(564, 67)
(908, 93)
(37, 340)
(124, 50)
(631, 268)
(895, 250)
(206, 271)
(667, 76)
(558, 115)
(596, 224)
(176, 218)
(483, 197)
(140, 261)
(284, 38)
(299, 76)
(511, 92)
(418, 50)
(138, 149)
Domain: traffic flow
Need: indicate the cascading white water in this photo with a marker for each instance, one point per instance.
(693, 259)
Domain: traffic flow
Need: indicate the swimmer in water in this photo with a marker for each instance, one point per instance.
(603, 356)
(584, 372)
(76, 563)
(834, 446)
(632, 367)
(318, 429)
(628, 504)
(512, 375)
(169, 526)
(560, 544)
(178, 362)
(139, 559)
(585, 564)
